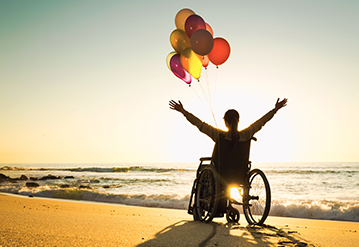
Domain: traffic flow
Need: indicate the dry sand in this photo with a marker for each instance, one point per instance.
(45, 222)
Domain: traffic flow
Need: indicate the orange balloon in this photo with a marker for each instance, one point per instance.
(191, 62)
(181, 18)
(205, 61)
(220, 52)
(179, 40)
(209, 28)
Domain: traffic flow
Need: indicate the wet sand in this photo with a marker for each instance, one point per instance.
(28, 221)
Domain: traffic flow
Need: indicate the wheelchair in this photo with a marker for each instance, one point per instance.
(226, 179)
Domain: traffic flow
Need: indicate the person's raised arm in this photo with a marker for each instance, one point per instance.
(248, 132)
(177, 106)
(280, 104)
(202, 126)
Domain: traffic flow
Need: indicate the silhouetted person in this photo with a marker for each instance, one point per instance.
(231, 151)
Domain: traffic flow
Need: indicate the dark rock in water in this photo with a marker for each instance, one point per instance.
(49, 177)
(32, 184)
(64, 186)
(106, 187)
(68, 177)
(7, 178)
(3, 177)
(23, 177)
(84, 187)
(33, 179)
(95, 181)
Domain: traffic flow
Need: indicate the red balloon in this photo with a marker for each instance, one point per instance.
(220, 51)
(202, 42)
(193, 23)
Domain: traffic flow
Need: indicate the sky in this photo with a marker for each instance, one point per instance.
(87, 81)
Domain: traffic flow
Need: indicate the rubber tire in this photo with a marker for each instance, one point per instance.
(206, 214)
(263, 214)
(232, 215)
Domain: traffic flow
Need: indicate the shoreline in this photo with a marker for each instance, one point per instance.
(48, 222)
(140, 206)
(347, 212)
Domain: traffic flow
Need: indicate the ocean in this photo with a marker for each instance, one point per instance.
(322, 190)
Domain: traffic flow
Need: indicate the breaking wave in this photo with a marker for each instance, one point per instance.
(309, 209)
(312, 171)
(323, 209)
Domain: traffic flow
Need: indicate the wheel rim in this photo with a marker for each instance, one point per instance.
(232, 215)
(257, 208)
(205, 196)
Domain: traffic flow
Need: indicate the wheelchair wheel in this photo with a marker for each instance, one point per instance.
(206, 203)
(256, 202)
(232, 215)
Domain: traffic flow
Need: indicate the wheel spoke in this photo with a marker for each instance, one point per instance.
(206, 194)
(257, 209)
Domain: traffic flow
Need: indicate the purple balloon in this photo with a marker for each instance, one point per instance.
(178, 70)
(193, 23)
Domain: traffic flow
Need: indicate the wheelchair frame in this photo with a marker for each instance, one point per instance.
(207, 191)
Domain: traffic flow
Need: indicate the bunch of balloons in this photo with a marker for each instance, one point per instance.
(194, 46)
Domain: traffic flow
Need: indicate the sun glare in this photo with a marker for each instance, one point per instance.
(235, 193)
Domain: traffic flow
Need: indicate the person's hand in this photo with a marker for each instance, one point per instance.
(177, 106)
(280, 104)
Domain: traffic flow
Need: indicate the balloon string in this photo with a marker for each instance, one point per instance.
(208, 89)
(210, 107)
(215, 121)
(209, 104)
(204, 94)
(198, 95)
(215, 85)
(203, 89)
(210, 98)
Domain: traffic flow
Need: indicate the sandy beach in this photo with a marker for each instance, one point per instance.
(28, 221)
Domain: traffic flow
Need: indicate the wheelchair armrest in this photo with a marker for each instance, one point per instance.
(205, 159)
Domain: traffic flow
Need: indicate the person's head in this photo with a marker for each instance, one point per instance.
(231, 119)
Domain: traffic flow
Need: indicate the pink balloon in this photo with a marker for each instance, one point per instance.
(178, 70)
(193, 23)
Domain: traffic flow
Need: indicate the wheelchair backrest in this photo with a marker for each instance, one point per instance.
(231, 163)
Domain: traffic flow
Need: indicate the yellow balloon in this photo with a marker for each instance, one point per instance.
(179, 40)
(181, 18)
(168, 59)
(191, 62)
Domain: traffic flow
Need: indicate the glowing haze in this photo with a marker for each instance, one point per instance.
(87, 81)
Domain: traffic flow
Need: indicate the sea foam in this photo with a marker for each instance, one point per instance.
(308, 209)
